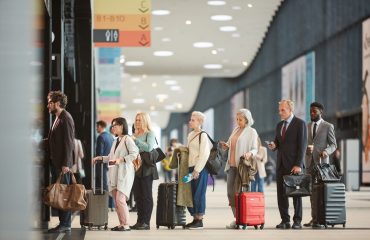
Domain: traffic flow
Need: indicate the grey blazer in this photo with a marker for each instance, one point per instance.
(324, 140)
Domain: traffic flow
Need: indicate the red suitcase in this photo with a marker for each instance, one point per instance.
(250, 209)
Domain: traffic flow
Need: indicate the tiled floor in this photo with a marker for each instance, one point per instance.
(218, 215)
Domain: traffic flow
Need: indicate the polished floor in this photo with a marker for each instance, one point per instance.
(218, 215)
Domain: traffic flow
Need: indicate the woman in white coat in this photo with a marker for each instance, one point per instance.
(121, 170)
(242, 142)
(261, 159)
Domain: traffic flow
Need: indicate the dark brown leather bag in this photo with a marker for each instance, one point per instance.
(66, 197)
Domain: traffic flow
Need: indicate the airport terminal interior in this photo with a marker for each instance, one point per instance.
(187, 66)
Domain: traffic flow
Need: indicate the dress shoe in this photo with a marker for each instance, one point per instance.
(283, 225)
(309, 224)
(143, 226)
(60, 229)
(317, 226)
(296, 225)
(135, 226)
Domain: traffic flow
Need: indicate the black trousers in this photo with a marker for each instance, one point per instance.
(144, 198)
(283, 201)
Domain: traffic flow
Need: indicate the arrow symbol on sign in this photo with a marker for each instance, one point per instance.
(143, 10)
(143, 27)
(143, 41)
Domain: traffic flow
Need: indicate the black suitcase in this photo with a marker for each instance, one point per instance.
(168, 213)
(328, 201)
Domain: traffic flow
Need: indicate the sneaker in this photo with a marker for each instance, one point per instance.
(198, 224)
(189, 224)
(60, 229)
(232, 225)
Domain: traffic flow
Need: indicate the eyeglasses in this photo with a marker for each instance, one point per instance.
(113, 125)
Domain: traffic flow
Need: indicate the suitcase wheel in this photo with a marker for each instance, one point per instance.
(262, 225)
(106, 226)
(244, 227)
(83, 227)
(157, 226)
(99, 227)
(168, 227)
(326, 226)
(344, 225)
(172, 227)
(255, 227)
(183, 227)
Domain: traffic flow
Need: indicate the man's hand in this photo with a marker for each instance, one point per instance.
(65, 169)
(271, 146)
(296, 170)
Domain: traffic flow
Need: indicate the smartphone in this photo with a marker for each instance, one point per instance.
(268, 142)
(112, 162)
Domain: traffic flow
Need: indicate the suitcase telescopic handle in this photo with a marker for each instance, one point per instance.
(93, 176)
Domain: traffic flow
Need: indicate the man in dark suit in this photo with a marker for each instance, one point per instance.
(290, 143)
(321, 143)
(61, 146)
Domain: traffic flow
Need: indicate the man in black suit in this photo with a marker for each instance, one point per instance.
(290, 143)
(61, 145)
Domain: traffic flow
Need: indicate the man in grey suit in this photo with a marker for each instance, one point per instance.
(321, 143)
(290, 143)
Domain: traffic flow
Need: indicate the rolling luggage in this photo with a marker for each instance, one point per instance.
(168, 213)
(96, 212)
(328, 201)
(250, 209)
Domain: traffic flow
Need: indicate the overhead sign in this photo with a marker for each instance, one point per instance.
(122, 23)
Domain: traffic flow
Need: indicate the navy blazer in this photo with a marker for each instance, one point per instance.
(291, 150)
(104, 144)
(61, 141)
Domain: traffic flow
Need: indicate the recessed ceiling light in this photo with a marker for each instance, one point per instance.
(161, 97)
(152, 108)
(170, 107)
(158, 28)
(134, 63)
(221, 18)
(235, 35)
(187, 22)
(250, 5)
(166, 39)
(245, 63)
(170, 82)
(144, 76)
(212, 66)
(227, 29)
(135, 79)
(138, 100)
(154, 84)
(160, 12)
(179, 105)
(216, 3)
(175, 88)
(163, 53)
(202, 44)
(214, 52)
(236, 8)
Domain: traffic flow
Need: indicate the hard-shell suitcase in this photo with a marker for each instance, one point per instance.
(168, 213)
(250, 209)
(329, 203)
(96, 212)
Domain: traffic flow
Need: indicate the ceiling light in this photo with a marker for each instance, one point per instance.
(202, 44)
(245, 63)
(138, 100)
(235, 35)
(154, 84)
(179, 105)
(212, 66)
(166, 39)
(135, 79)
(221, 18)
(187, 22)
(170, 82)
(158, 28)
(216, 3)
(250, 5)
(152, 108)
(170, 107)
(161, 97)
(163, 53)
(175, 88)
(227, 29)
(144, 76)
(236, 8)
(214, 52)
(123, 106)
(160, 12)
(134, 63)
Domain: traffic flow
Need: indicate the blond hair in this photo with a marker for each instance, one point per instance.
(289, 102)
(200, 116)
(146, 123)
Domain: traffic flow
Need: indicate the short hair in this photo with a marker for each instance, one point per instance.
(58, 96)
(289, 102)
(146, 123)
(247, 116)
(122, 122)
(318, 105)
(201, 117)
(101, 123)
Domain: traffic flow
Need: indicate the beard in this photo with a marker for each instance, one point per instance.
(315, 119)
(53, 111)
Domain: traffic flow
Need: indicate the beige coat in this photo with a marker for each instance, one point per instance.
(261, 158)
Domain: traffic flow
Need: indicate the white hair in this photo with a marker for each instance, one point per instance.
(247, 115)
(289, 102)
(200, 116)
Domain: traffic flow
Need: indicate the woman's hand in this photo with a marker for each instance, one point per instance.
(247, 155)
(224, 145)
(195, 174)
(98, 158)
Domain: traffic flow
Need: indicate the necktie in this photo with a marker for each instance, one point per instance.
(117, 143)
(284, 130)
(314, 131)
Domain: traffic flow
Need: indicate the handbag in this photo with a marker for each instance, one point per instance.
(137, 162)
(297, 185)
(325, 172)
(214, 162)
(66, 197)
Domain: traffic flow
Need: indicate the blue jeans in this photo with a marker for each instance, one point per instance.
(64, 216)
(198, 189)
(258, 183)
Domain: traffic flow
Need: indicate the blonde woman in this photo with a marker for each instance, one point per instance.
(242, 142)
(199, 148)
(261, 159)
(145, 140)
(121, 175)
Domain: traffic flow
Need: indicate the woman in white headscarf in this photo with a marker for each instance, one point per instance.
(242, 143)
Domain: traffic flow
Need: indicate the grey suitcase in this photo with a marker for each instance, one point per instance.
(329, 203)
(96, 213)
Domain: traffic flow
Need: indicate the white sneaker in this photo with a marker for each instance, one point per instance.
(232, 225)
